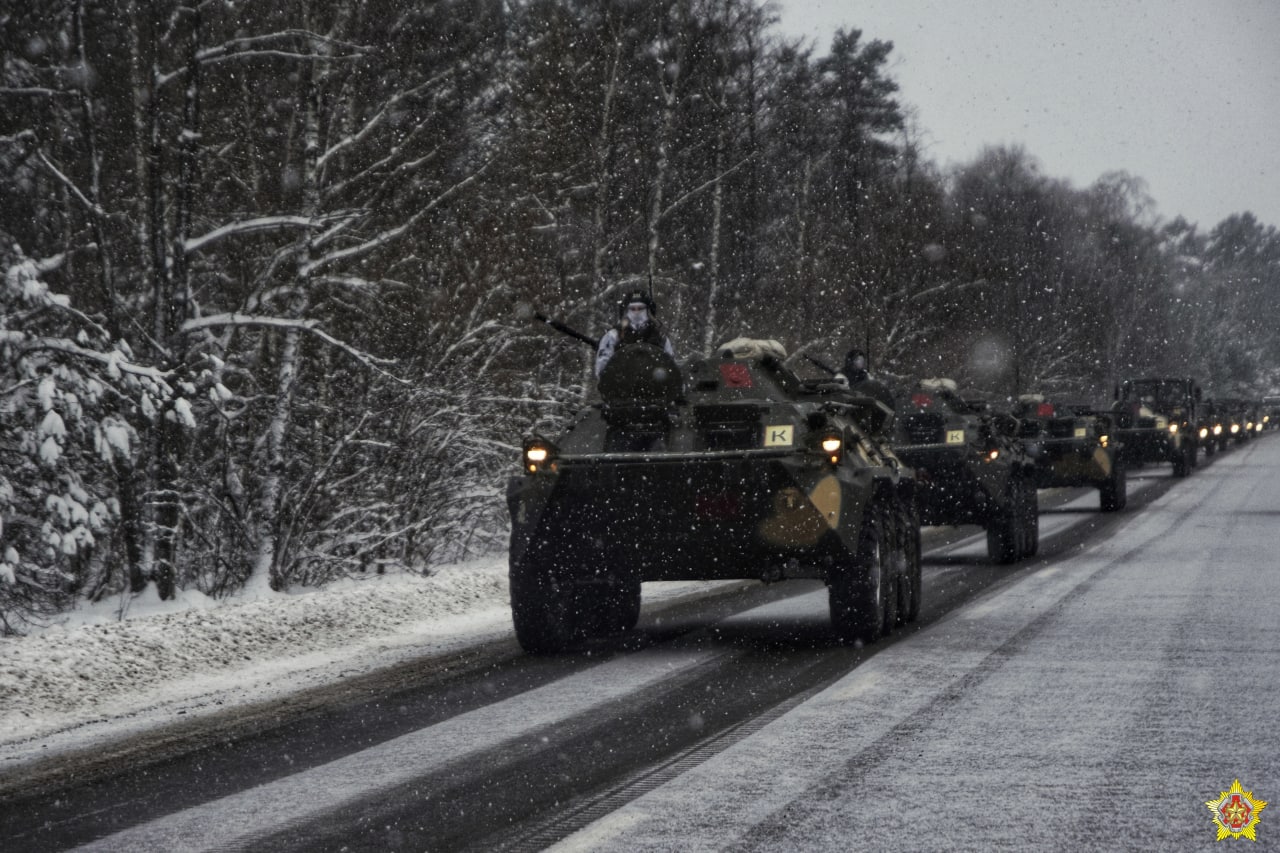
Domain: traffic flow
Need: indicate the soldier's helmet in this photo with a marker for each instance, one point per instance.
(855, 365)
(637, 297)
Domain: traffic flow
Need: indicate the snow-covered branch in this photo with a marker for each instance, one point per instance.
(112, 360)
(93, 209)
(254, 47)
(392, 234)
(378, 118)
(253, 226)
(311, 327)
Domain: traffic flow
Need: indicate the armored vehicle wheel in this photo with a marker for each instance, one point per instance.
(544, 612)
(911, 584)
(619, 607)
(1114, 493)
(1008, 532)
(1183, 462)
(858, 592)
(895, 565)
(1030, 517)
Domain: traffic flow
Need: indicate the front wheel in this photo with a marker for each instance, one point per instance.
(1007, 532)
(1031, 517)
(911, 584)
(619, 607)
(858, 592)
(543, 610)
(1114, 493)
(1183, 462)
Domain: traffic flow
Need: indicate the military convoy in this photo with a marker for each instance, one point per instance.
(724, 467)
(971, 467)
(734, 466)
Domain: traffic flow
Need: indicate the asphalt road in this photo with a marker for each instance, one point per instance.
(495, 750)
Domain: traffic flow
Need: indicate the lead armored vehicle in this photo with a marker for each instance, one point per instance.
(970, 466)
(1072, 445)
(1158, 421)
(724, 467)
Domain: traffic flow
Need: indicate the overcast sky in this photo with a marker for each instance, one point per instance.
(1182, 93)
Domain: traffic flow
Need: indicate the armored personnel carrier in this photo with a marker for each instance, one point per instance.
(1157, 421)
(970, 466)
(724, 467)
(1072, 445)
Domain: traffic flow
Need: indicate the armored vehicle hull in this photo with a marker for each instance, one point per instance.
(742, 471)
(1073, 446)
(970, 469)
(1157, 421)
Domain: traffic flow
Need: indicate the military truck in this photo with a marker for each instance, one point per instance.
(1157, 421)
(722, 467)
(1072, 444)
(1271, 412)
(970, 467)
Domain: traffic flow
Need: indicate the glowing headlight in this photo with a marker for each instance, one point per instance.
(831, 445)
(1217, 429)
(1173, 429)
(993, 455)
(1104, 440)
(1235, 428)
(1204, 432)
(539, 455)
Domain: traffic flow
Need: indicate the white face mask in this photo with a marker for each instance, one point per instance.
(637, 316)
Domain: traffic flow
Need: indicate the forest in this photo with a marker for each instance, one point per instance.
(264, 264)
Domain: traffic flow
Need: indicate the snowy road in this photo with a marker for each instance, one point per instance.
(1095, 700)
(1097, 704)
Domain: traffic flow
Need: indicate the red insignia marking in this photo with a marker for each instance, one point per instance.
(735, 375)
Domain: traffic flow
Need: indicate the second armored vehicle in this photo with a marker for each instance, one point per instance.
(971, 467)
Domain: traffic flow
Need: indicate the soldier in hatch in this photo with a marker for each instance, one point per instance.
(636, 324)
(855, 374)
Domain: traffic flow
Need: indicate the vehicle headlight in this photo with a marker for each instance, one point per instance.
(1235, 428)
(993, 455)
(1204, 432)
(539, 455)
(1104, 440)
(1217, 429)
(1173, 429)
(832, 446)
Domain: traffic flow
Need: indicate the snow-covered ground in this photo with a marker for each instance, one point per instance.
(94, 676)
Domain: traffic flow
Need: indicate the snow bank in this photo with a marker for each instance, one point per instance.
(95, 665)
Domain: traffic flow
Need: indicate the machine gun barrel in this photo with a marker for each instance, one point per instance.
(568, 330)
(821, 364)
